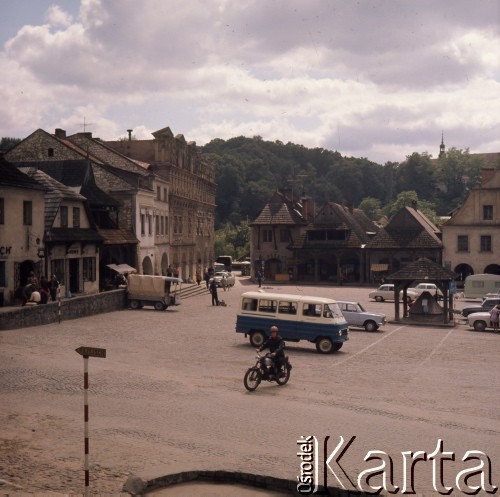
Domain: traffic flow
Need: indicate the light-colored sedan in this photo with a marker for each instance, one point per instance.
(428, 287)
(479, 320)
(356, 316)
(386, 292)
(219, 275)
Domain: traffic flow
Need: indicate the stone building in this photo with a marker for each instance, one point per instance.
(191, 197)
(471, 237)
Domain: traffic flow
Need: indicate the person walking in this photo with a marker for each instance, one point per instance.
(213, 291)
(259, 278)
(53, 286)
(495, 317)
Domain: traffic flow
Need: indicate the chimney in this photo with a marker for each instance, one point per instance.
(308, 208)
(60, 133)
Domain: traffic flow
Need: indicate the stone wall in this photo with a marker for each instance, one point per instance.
(72, 308)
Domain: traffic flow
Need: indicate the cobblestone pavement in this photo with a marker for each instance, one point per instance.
(169, 397)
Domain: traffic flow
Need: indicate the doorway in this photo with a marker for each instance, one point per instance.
(74, 275)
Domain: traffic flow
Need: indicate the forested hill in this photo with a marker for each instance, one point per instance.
(249, 170)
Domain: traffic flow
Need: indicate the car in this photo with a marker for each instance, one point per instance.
(479, 320)
(218, 275)
(356, 316)
(386, 292)
(428, 287)
(486, 306)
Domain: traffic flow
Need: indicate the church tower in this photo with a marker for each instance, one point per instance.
(442, 151)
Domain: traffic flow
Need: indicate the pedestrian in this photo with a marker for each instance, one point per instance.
(213, 291)
(53, 286)
(27, 291)
(33, 279)
(44, 290)
(495, 317)
(223, 282)
(207, 279)
(259, 278)
(198, 276)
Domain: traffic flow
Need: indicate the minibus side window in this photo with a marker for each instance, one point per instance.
(312, 310)
(327, 313)
(249, 304)
(266, 305)
(287, 307)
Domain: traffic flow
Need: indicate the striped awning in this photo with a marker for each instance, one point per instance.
(379, 267)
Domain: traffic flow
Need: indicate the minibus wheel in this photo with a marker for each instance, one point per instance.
(324, 345)
(257, 338)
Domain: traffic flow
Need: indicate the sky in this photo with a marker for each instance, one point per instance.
(379, 79)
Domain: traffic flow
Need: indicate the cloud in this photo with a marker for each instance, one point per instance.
(379, 79)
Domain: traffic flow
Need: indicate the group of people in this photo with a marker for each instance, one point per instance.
(39, 291)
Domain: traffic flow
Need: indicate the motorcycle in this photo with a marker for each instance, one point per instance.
(264, 370)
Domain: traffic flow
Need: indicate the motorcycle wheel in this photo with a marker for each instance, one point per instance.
(282, 380)
(252, 379)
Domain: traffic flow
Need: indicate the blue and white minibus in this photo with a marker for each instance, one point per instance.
(316, 319)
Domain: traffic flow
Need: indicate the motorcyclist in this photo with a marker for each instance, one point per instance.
(276, 346)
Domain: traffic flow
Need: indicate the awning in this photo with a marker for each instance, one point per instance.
(122, 268)
(379, 267)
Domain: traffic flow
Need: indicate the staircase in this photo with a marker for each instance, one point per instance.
(193, 289)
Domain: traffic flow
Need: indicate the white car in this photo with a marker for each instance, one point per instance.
(479, 320)
(428, 287)
(386, 292)
(218, 275)
(356, 316)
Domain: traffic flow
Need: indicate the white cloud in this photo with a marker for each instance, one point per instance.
(378, 79)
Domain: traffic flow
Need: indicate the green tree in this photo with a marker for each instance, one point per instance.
(410, 199)
(6, 143)
(371, 207)
(418, 174)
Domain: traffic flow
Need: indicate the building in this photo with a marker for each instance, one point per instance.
(471, 237)
(22, 205)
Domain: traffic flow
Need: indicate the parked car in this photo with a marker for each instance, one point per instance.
(358, 317)
(386, 292)
(230, 279)
(479, 320)
(428, 287)
(486, 306)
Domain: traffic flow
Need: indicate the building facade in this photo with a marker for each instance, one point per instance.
(471, 237)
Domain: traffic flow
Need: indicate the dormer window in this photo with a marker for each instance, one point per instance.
(487, 212)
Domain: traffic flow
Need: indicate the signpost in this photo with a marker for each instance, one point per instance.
(87, 352)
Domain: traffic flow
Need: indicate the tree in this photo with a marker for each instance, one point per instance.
(417, 174)
(6, 143)
(371, 207)
(410, 199)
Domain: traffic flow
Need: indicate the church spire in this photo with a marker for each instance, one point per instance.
(442, 151)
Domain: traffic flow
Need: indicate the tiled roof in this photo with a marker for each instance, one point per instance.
(409, 228)
(118, 236)
(11, 176)
(278, 211)
(422, 269)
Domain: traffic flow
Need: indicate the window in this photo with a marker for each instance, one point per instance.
(64, 216)
(266, 305)
(89, 269)
(158, 193)
(462, 243)
(27, 213)
(312, 310)
(150, 223)
(485, 243)
(157, 225)
(143, 219)
(285, 307)
(284, 236)
(164, 194)
(76, 217)
(2, 211)
(50, 152)
(3, 278)
(249, 304)
(267, 235)
(487, 212)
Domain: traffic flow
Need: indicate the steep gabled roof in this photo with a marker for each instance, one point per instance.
(409, 228)
(279, 211)
(11, 176)
(422, 269)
